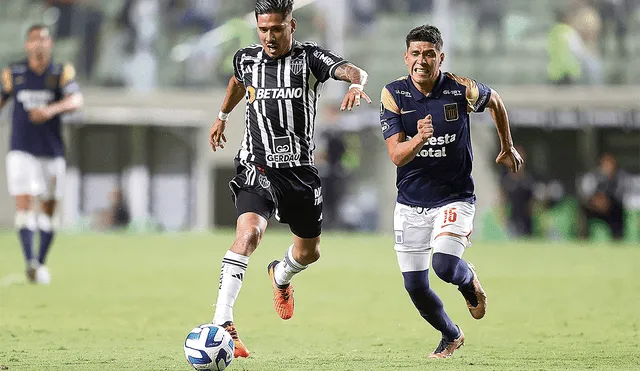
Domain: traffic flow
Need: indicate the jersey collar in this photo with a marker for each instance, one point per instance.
(435, 92)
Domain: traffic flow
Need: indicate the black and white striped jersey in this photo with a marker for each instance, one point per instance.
(281, 102)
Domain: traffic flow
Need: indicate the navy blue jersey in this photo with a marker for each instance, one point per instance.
(441, 171)
(31, 91)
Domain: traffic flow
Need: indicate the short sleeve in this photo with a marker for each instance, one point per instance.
(6, 83)
(477, 93)
(68, 82)
(323, 63)
(237, 66)
(390, 120)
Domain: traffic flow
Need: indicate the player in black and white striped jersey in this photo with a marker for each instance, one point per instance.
(281, 80)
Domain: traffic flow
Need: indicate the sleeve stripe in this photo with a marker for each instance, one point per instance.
(388, 102)
(472, 93)
(7, 81)
(68, 75)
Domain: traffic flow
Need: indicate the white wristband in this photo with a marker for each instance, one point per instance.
(223, 116)
(357, 86)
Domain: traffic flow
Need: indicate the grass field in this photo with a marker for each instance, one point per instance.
(120, 302)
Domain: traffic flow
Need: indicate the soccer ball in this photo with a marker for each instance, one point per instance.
(209, 347)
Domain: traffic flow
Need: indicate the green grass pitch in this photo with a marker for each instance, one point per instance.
(122, 302)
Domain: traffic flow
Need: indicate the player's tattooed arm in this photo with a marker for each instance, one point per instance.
(358, 78)
(351, 73)
(508, 155)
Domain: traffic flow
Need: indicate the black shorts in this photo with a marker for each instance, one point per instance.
(292, 195)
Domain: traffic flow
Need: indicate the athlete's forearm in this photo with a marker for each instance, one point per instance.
(69, 103)
(501, 120)
(403, 152)
(235, 93)
(351, 73)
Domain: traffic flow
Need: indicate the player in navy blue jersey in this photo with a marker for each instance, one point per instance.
(425, 123)
(281, 80)
(41, 91)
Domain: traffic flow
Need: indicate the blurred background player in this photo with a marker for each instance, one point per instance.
(602, 192)
(425, 123)
(275, 174)
(42, 91)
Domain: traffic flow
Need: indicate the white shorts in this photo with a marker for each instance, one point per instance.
(35, 176)
(415, 229)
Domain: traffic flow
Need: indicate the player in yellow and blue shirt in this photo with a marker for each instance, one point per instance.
(425, 123)
(42, 90)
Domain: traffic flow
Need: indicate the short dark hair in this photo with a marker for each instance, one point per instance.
(426, 33)
(282, 7)
(36, 26)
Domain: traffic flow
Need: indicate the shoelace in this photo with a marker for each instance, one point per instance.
(285, 293)
(232, 331)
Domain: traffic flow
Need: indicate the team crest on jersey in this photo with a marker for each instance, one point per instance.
(19, 80)
(451, 112)
(297, 65)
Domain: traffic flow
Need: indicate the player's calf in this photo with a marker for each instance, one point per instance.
(25, 223)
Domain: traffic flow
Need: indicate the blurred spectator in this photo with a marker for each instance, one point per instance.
(602, 191)
(363, 13)
(140, 18)
(570, 57)
(586, 20)
(615, 14)
(491, 13)
(518, 189)
(80, 19)
(117, 215)
(200, 13)
(331, 170)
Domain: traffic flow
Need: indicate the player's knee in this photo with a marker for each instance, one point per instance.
(25, 219)
(444, 266)
(416, 282)
(247, 239)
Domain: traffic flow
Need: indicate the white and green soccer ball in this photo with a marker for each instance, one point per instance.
(209, 347)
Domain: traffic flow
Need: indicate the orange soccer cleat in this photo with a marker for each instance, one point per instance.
(239, 349)
(475, 296)
(282, 294)
(446, 348)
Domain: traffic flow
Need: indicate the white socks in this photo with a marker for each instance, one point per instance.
(287, 268)
(231, 276)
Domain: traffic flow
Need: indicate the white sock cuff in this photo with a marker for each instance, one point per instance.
(45, 223)
(25, 219)
(292, 262)
(235, 259)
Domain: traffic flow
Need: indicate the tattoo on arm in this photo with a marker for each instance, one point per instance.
(350, 73)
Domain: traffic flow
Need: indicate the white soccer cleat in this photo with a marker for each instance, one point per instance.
(42, 275)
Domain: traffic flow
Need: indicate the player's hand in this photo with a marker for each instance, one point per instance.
(425, 128)
(511, 159)
(40, 115)
(216, 134)
(352, 98)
